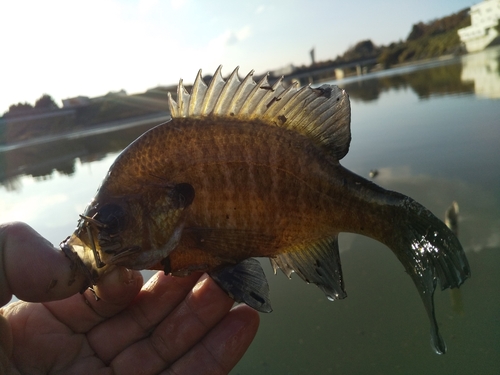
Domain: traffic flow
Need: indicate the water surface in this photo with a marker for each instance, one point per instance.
(433, 133)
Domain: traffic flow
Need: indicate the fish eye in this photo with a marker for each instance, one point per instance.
(113, 216)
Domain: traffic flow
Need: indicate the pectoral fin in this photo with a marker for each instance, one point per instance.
(245, 282)
(318, 263)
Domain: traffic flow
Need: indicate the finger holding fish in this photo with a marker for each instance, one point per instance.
(158, 299)
(197, 317)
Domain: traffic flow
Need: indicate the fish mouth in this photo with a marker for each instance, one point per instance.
(78, 266)
(81, 249)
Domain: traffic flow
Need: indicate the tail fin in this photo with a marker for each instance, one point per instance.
(430, 252)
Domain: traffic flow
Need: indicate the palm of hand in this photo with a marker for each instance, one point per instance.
(166, 327)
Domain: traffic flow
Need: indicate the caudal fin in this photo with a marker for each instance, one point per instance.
(430, 253)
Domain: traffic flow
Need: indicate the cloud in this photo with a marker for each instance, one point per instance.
(230, 37)
(244, 32)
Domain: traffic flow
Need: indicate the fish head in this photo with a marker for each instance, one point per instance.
(136, 230)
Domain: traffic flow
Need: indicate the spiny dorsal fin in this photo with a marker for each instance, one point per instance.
(322, 114)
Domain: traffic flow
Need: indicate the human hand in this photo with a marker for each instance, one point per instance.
(170, 325)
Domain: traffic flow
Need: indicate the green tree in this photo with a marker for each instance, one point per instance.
(46, 102)
(19, 109)
(362, 50)
(417, 31)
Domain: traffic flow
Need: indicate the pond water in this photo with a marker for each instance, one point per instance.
(432, 132)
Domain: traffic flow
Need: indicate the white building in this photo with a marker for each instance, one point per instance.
(78, 101)
(484, 25)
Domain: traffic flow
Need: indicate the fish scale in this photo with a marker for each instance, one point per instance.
(280, 212)
(245, 170)
(250, 158)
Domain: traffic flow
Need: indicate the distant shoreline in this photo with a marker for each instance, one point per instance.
(94, 130)
(398, 69)
(158, 118)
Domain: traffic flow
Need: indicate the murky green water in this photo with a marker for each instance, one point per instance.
(433, 133)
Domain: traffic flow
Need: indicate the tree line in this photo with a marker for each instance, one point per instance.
(425, 40)
(45, 102)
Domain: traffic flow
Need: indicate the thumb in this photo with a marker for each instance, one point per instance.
(32, 269)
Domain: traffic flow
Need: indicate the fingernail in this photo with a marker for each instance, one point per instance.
(118, 276)
(126, 276)
(201, 281)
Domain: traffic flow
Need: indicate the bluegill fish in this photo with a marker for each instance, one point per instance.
(245, 170)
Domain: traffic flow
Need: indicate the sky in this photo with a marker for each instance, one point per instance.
(67, 48)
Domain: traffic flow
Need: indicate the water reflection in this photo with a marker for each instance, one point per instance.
(42, 160)
(477, 73)
(483, 69)
(479, 218)
(438, 80)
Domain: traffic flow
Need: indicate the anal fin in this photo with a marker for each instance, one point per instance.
(245, 282)
(317, 263)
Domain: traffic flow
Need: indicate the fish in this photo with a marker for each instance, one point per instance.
(247, 170)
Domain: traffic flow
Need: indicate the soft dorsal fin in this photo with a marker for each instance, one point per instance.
(322, 114)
